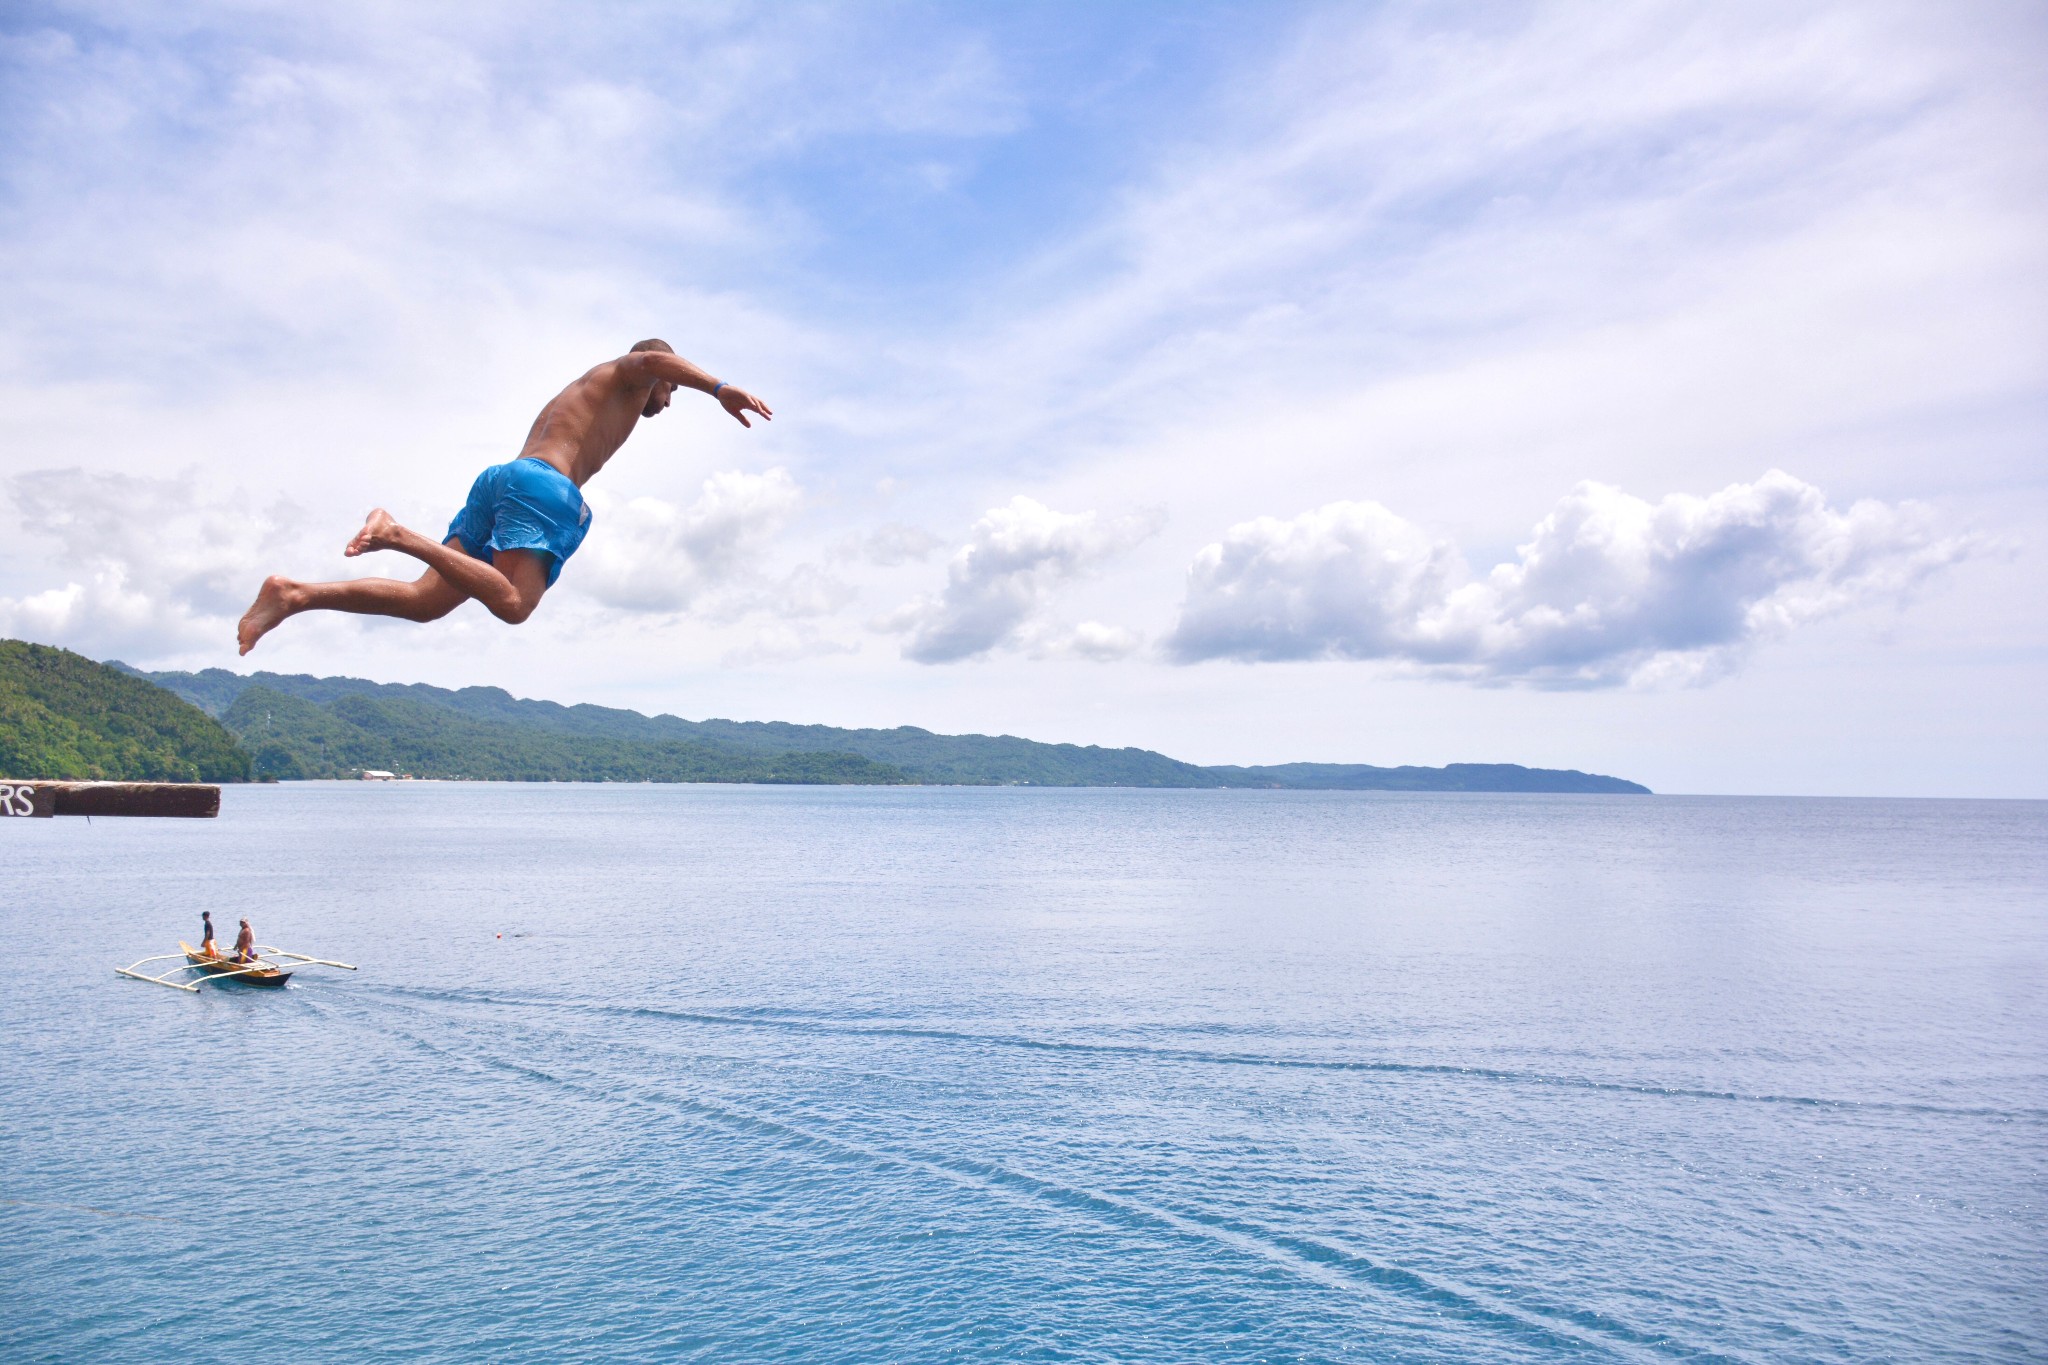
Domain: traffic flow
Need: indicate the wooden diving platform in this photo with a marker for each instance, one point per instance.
(187, 800)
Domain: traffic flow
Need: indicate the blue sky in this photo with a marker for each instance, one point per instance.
(1638, 387)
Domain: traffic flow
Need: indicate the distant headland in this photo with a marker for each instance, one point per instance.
(74, 713)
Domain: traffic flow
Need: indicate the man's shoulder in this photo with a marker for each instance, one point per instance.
(627, 371)
(606, 371)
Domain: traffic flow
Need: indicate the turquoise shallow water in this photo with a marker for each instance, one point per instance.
(781, 1074)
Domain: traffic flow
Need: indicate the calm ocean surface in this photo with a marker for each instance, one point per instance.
(880, 1075)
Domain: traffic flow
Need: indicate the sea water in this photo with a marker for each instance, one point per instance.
(880, 1075)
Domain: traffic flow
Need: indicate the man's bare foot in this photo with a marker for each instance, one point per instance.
(273, 603)
(380, 531)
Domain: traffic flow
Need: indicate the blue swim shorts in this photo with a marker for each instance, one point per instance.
(525, 505)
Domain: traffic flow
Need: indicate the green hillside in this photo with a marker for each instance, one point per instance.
(330, 726)
(64, 716)
(293, 737)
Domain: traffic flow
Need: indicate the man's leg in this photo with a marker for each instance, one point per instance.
(510, 589)
(427, 598)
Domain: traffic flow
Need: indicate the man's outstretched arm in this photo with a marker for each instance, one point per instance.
(641, 367)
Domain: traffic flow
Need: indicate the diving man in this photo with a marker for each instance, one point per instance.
(523, 520)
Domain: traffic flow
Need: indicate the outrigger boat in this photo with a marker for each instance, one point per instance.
(272, 967)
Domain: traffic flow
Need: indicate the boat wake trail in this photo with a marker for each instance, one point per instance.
(793, 1023)
(1321, 1261)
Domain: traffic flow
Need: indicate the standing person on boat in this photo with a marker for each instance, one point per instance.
(523, 520)
(206, 944)
(245, 944)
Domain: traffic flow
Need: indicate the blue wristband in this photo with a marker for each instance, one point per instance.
(716, 387)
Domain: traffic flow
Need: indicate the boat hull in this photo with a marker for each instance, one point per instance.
(231, 972)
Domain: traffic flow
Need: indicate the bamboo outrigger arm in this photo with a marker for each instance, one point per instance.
(302, 960)
(158, 980)
(162, 980)
(160, 957)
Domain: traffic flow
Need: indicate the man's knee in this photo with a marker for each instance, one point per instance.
(526, 575)
(433, 597)
(515, 611)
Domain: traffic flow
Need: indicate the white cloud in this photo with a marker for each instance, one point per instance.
(1609, 589)
(1091, 640)
(891, 545)
(1000, 583)
(649, 555)
(150, 565)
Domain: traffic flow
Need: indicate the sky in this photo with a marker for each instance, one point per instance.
(1646, 388)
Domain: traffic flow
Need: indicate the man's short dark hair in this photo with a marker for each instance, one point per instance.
(654, 344)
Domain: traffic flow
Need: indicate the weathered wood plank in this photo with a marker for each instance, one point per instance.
(190, 800)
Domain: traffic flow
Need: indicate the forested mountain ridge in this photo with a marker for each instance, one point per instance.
(291, 737)
(309, 727)
(907, 753)
(63, 716)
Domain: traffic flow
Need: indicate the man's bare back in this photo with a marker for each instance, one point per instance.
(507, 545)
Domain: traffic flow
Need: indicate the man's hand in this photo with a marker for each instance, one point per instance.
(739, 403)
